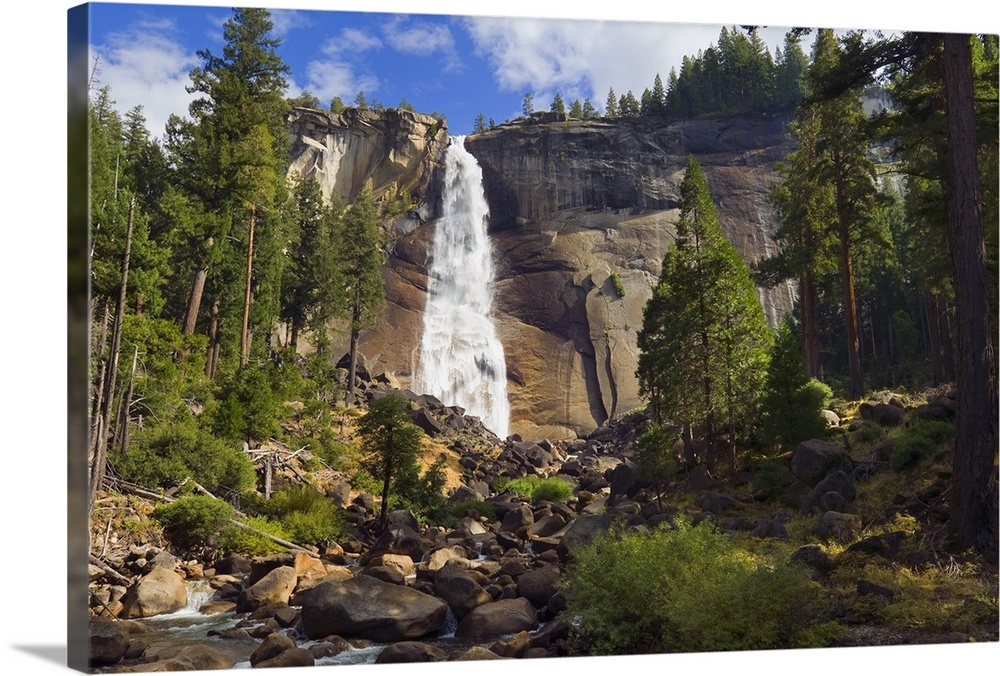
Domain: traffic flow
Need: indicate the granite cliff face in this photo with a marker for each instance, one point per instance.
(581, 215)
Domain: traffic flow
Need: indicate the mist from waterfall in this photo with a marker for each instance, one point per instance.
(461, 358)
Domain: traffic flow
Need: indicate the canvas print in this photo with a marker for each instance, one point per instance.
(425, 338)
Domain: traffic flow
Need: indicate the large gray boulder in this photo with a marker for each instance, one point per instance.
(397, 539)
(365, 607)
(160, 592)
(539, 585)
(275, 587)
(507, 616)
(581, 532)
(815, 459)
(460, 590)
(108, 642)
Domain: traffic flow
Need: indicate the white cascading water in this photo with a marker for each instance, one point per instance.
(461, 358)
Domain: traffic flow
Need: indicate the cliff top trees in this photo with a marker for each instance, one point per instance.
(704, 340)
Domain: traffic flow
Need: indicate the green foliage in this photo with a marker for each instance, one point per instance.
(656, 456)
(391, 445)
(236, 540)
(918, 442)
(249, 406)
(704, 340)
(307, 516)
(167, 454)
(687, 589)
(535, 488)
(193, 520)
(792, 403)
(617, 282)
(552, 489)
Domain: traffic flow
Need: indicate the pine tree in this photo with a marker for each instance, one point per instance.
(611, 105)
(391, 444)
(528, 104)
(792, 403)
(558, 106)
(231, 159)
(480, 125)
(576, 110)
(360, 258)
(704, 339)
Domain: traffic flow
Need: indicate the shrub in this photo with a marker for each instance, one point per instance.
(617, 282)
(685, 589)
(919, 441)
(235, 540)
(522, 487)
(303, 514)
(552, 490)
(193, 520)
(168, 454)
(866, 433)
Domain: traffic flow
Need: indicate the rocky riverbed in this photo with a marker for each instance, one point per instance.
(488, 586)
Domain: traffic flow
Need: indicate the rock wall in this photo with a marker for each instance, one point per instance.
(580, 211)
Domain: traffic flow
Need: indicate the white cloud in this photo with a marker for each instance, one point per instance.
(581, 59)
(286, 20)
(423, 38)
(145, 65)
(341, 74)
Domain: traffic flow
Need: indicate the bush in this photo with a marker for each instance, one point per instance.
(235, 540)
(193, 520)
(167, 454)
(686, 589)
(552, 490)
(535, 488)
(918, 442)
(303, 514)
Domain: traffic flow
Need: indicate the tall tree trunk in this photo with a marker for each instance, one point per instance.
(355, 335)
(974, 517)
(847, 284)
(194, 299)
(213, 336)
(123, 423)
(810, 326)
(245, 331)
(99, 464)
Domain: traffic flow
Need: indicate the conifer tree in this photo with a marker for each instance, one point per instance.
(792, 403)
(360, 258)
(558, 105)
(231, 158)
(611, 105)
(704, 339)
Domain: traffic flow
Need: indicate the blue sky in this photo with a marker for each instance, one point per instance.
(457, 65)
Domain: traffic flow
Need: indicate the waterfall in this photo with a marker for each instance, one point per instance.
(461, 359)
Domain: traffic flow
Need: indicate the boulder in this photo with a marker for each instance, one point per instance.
(476, 652)
(539, 585)
(273, 645)
(275, 587)
(581, 532)
(460, 590)
(160, 592)
(409, 651)
(837, 483)
(365, 607)
(108, 641)
(398, 539)
(183, 658)
(507, 616)
(293, 657)
(815, 458)
(838, 526)
(886, 415)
